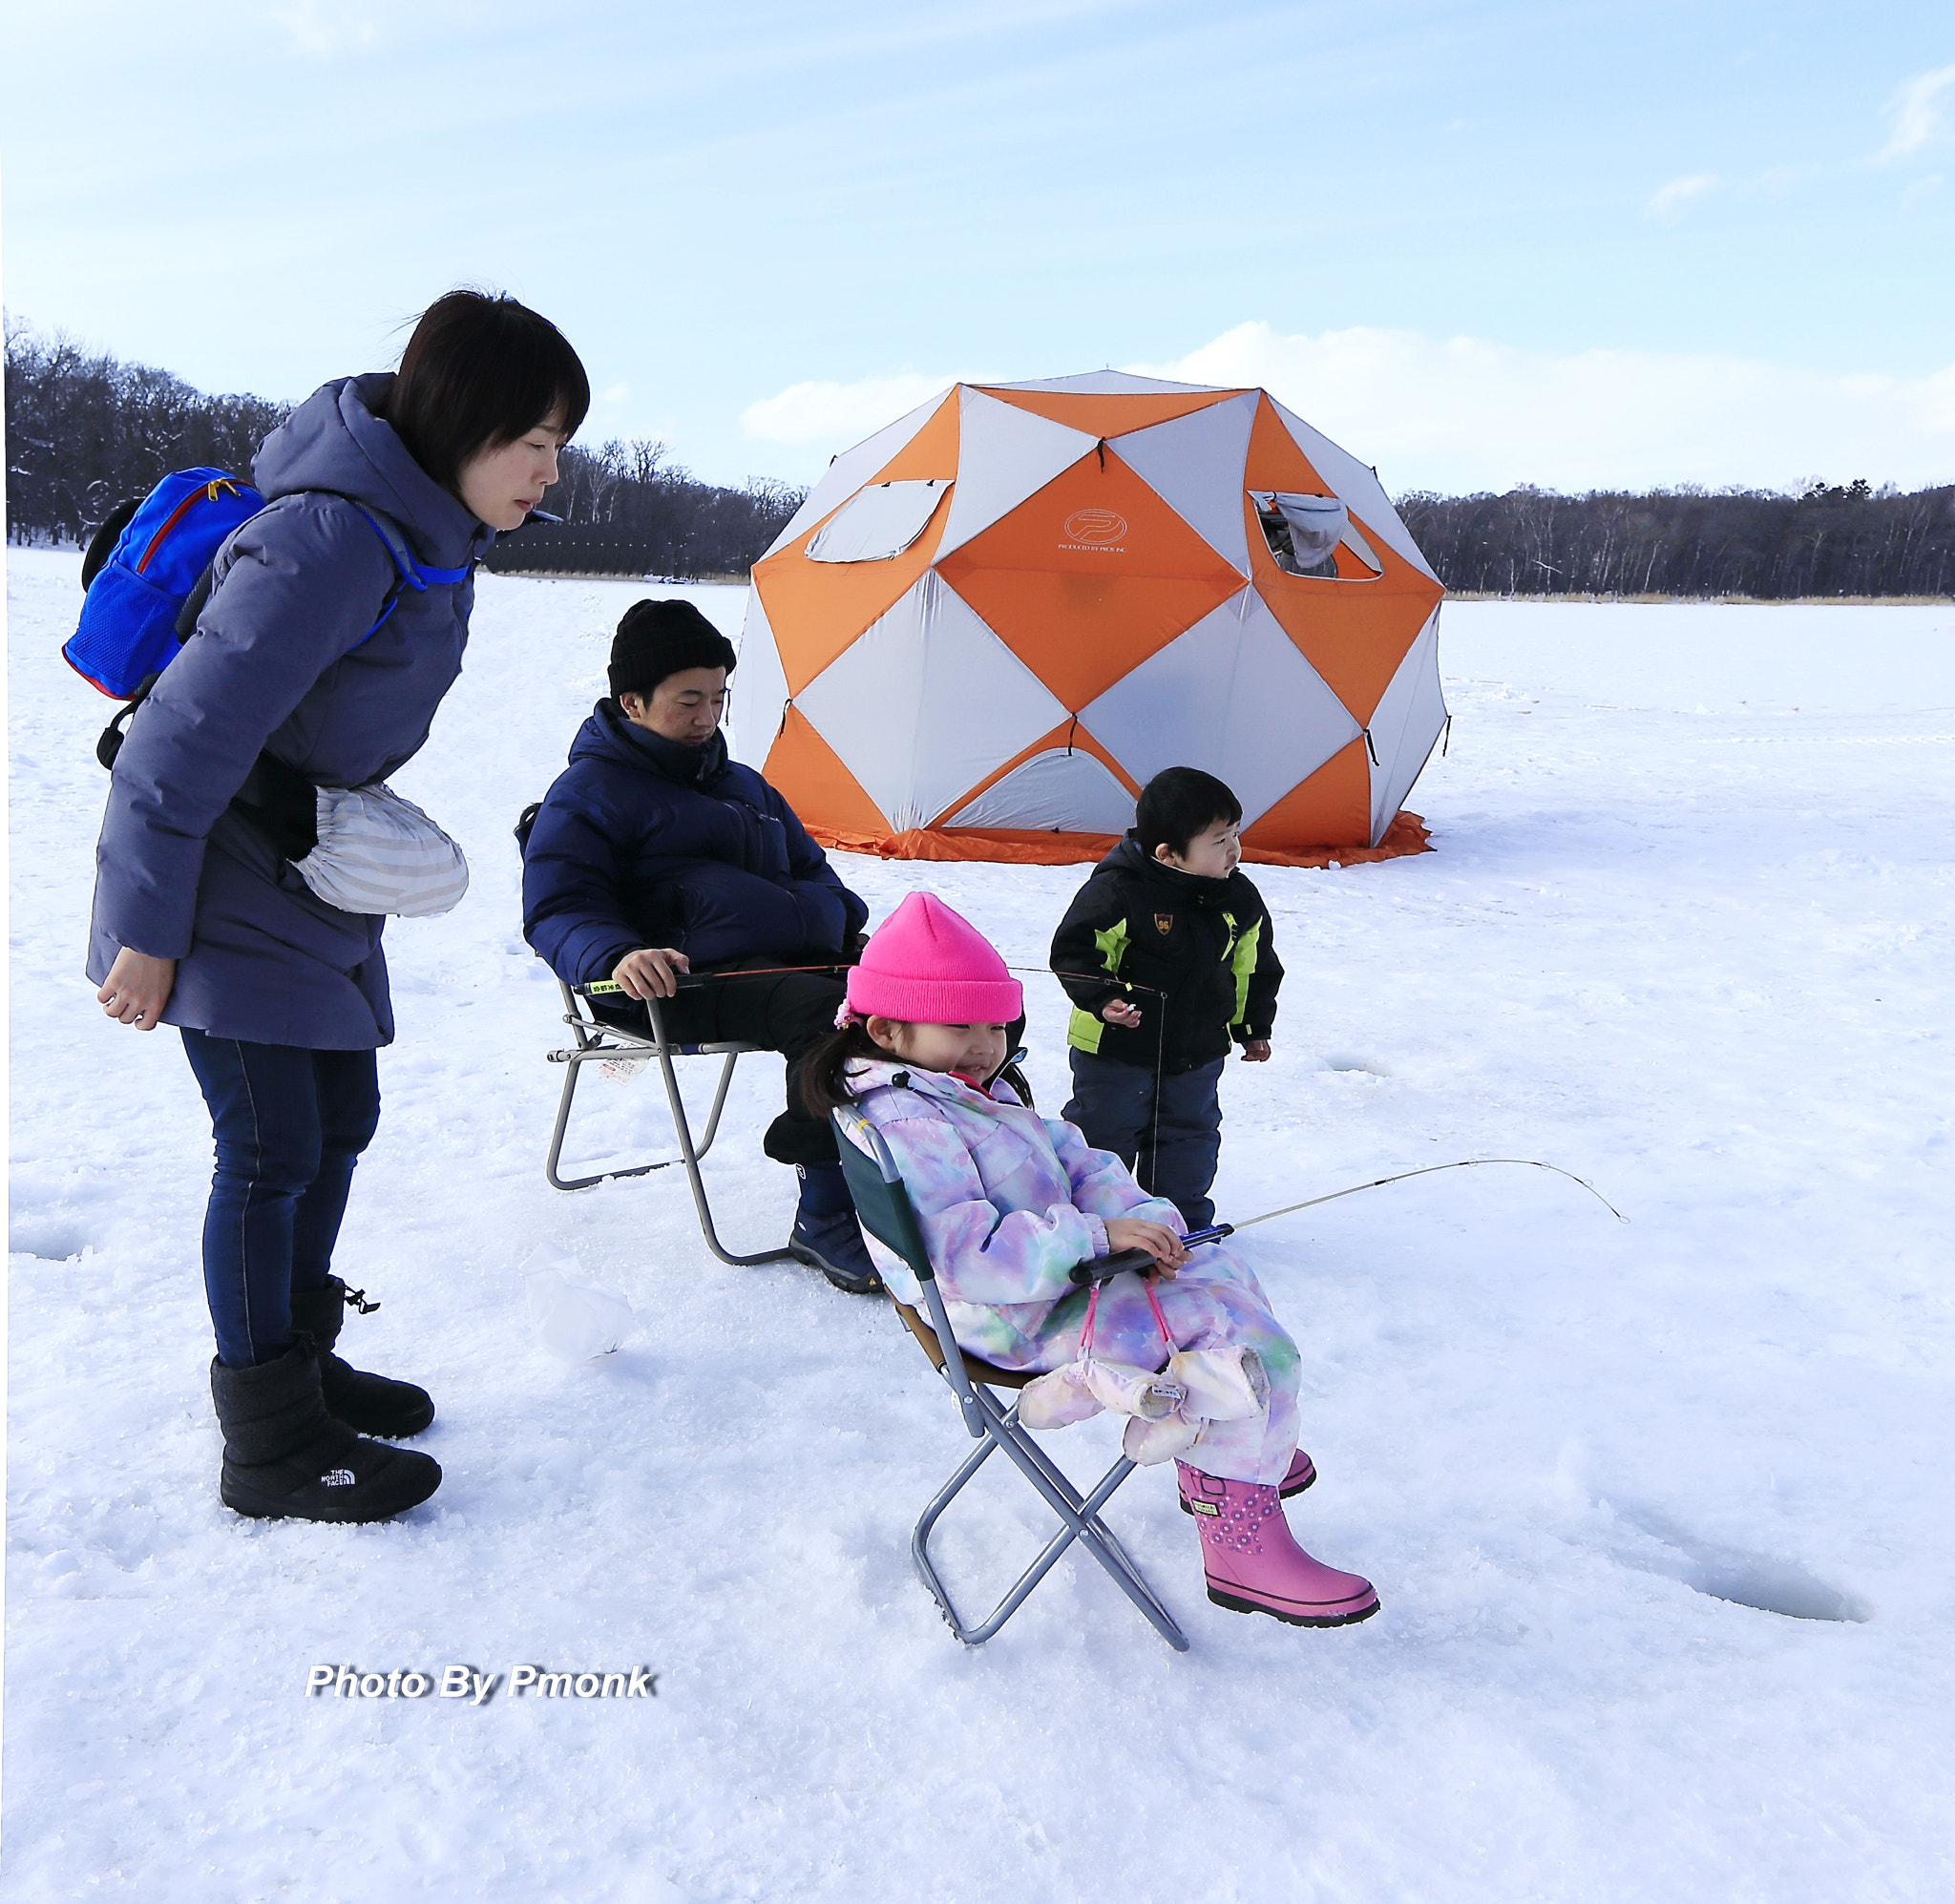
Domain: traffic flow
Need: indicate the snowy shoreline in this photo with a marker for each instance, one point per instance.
(1687, 932)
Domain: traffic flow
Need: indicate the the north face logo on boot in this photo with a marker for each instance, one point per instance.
(343, 1477)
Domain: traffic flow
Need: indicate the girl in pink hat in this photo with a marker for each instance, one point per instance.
(1009, 1202)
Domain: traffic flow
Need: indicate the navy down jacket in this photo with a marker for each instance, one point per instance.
(646, 842)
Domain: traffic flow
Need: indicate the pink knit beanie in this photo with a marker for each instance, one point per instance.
(924, 965)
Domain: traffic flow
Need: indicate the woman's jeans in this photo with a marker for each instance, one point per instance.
(289, 1124)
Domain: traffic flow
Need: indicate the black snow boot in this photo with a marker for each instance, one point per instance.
(370, 1403)
(826, 1234)
(285, 1457)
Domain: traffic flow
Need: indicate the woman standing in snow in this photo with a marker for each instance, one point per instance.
(1010, 1203)
(201, 920)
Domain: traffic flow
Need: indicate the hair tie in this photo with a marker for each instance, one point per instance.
(847, 1016)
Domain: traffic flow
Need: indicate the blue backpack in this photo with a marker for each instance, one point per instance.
(147, 575)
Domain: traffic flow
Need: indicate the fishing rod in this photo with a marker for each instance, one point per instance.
(610, 988)
(691, 981)
(1215, 1232)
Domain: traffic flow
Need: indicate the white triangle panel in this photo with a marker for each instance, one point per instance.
(1233, 696)
(1405, 726)
(1354, 483)
(1195, 464)
(878, 522)
(1004, 454)
(1062, 790)
(853, 468)
(760, 688)
(926, 703)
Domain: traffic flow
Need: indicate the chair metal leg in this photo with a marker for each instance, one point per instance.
(691, 1157)
(1079, 1518)
(590, 1049)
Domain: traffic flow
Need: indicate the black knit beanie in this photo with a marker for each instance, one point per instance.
(657, 638)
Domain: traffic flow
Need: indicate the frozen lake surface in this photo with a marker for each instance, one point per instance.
(1659, 1514)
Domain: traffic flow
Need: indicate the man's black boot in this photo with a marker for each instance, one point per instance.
(826, 1235)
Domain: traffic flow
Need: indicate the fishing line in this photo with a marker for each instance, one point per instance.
(1215, 1232)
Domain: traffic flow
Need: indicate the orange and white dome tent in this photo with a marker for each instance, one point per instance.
(991, 622)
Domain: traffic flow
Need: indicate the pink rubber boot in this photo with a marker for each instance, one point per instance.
(1302, 1473)
(1254, 1566)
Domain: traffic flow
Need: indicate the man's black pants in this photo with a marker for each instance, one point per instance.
(788, 1012)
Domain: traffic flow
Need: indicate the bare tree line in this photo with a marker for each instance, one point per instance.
(627, 509)
(84, 430)
(1830, 540)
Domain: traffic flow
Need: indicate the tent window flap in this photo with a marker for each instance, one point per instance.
(1306, 532)
(878, 522)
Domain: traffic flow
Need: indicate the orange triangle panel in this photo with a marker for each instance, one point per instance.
(816, 609)
(1088, 578)
(932, 454)
(1275, 462)
(1330, 809)
(1110, 415)
(1353, 633)
(809, 775)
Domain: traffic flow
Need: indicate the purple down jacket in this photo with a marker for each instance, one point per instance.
(279, 662)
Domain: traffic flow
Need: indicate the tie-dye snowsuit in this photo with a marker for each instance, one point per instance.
(1009, 1202)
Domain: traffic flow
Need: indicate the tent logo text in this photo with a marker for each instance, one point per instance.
(1096, 528)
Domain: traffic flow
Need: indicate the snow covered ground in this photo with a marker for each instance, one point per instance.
(1659, 1512)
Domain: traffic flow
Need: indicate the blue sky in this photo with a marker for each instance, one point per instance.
(1479, 245)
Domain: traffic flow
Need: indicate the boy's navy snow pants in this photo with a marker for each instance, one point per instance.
(289, 1124)
(1172, 1151)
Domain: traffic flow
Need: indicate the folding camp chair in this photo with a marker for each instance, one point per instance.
(883, 1204)
(600, 1041)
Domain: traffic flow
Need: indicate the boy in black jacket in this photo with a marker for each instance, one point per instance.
(1167, 909)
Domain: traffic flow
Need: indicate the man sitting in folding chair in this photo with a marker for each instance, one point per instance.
(1009, 1207)
(654, 854)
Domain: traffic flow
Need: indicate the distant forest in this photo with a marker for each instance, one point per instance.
(1830, 540)
(84, 430)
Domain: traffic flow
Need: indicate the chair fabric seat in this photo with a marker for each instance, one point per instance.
(978, 1371)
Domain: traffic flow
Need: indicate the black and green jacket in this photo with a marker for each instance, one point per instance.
(1206, 943)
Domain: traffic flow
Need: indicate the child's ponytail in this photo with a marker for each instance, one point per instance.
(824, 1070)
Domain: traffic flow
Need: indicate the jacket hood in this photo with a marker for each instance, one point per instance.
(334, 441)
(1190, 889)
(606, 735)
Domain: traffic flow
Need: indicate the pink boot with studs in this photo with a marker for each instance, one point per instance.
(1254, 1566)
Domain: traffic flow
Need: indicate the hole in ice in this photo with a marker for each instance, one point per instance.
(1344, 1061)
(1730, 1574)
(1778, 1586)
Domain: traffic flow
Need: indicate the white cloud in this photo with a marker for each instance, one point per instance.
(618, 393)
(323, 28)
(1464, 414)
(838, 414)
(1667, 201)
(1916, 109)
